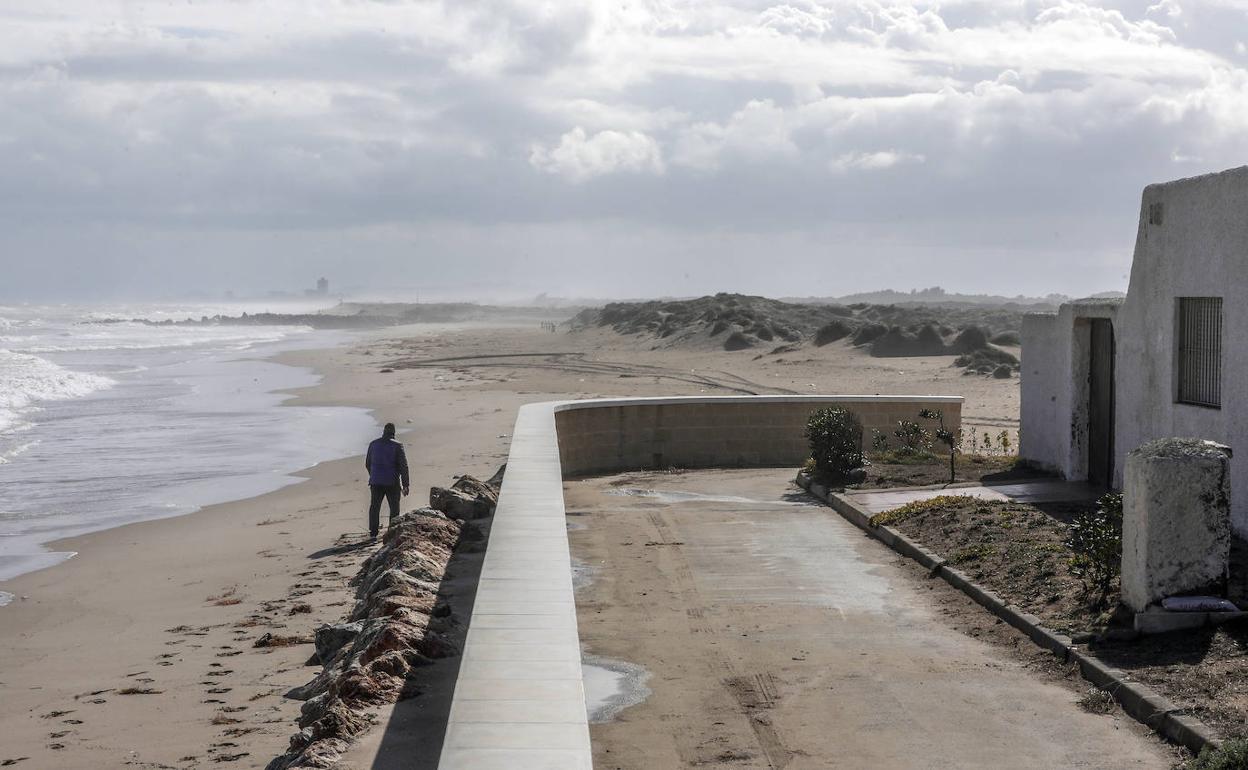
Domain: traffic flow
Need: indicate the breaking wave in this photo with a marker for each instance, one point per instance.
(26, 380)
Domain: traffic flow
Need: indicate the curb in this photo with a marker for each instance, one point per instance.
(1138, 700)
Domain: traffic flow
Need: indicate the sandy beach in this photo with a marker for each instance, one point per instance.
(140, 651)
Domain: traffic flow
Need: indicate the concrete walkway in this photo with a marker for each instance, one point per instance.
(777, 636)
(1045, 491)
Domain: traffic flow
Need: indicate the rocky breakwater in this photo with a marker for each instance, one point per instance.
(398, 624)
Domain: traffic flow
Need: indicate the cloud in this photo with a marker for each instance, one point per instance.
(734, 119)
(579, 157)
(873, 161)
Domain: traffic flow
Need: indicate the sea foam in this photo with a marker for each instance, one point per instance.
(27, 379)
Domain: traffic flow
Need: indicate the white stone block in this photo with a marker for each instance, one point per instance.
(1176, 519)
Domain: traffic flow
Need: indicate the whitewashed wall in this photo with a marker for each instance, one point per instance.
(1200, 249)
(1054, 395)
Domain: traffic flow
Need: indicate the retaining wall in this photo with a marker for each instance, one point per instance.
(519, 699)
(598, 436)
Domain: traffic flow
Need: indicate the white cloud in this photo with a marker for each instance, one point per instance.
(579, 157)
(873, 161)
(759, 131)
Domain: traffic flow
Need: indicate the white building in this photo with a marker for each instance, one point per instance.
(1101, 377)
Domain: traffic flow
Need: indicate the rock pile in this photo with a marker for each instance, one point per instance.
(468, 497)
(397, 624)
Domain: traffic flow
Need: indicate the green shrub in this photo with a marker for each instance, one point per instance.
(1095, 541)
(835, 437)
(1233, 755)
(919, 507)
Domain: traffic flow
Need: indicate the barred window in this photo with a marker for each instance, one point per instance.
(1200, 351)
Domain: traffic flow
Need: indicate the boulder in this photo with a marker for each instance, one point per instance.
(330, 639)
(458, 504)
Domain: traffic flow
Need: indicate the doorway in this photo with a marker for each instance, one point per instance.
(1101, 403)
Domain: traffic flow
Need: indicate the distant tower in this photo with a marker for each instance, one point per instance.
(322, 286)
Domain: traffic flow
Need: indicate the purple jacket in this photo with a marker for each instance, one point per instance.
(386, 463)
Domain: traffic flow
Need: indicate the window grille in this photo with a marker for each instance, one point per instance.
(1200, 351)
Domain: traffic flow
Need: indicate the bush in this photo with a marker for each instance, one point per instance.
(970, 339)
(1233, 755)
(868, 334)
(914, 439)
(738, 341)
(1095, 541)
(831, 332)
(1006, 338)
(835, 437)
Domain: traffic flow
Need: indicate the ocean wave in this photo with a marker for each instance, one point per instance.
(25, 380)
(149, 338)
(8, 454)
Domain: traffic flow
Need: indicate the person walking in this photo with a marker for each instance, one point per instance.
(386, 464)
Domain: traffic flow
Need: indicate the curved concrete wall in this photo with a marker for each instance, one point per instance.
(519, 700)
(599, 436)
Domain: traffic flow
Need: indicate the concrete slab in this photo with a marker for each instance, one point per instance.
(519, 700)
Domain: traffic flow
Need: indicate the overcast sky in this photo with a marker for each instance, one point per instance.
(623, 148)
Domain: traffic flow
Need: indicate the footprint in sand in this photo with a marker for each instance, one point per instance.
(55, 714)
(61, 734)
(219, 690)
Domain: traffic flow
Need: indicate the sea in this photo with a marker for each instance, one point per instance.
(104, 423)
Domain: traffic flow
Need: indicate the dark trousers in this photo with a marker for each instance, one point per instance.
(391, 494)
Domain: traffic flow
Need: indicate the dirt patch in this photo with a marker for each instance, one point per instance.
(892, 471)
(1204, 671)
(1017, 550)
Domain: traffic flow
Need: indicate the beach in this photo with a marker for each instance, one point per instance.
(140, 650)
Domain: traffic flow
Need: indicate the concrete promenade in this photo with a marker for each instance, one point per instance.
(519, 700)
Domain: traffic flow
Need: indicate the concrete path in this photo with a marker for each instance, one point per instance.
(876, 501)
(776, 635)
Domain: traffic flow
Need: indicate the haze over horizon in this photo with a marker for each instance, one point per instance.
(594, 149)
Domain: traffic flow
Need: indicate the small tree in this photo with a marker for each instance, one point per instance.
(1095, 540)
(835, 437)
(946, 437)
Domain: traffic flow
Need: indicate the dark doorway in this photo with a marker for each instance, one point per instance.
(1101, 404)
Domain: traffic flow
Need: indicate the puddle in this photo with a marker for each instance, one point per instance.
(697, 497)
(5, 598)
(611, 686)
(583, 575)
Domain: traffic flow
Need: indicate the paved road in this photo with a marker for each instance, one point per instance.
(777, 636)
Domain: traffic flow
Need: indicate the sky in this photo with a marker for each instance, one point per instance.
(502, 148)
